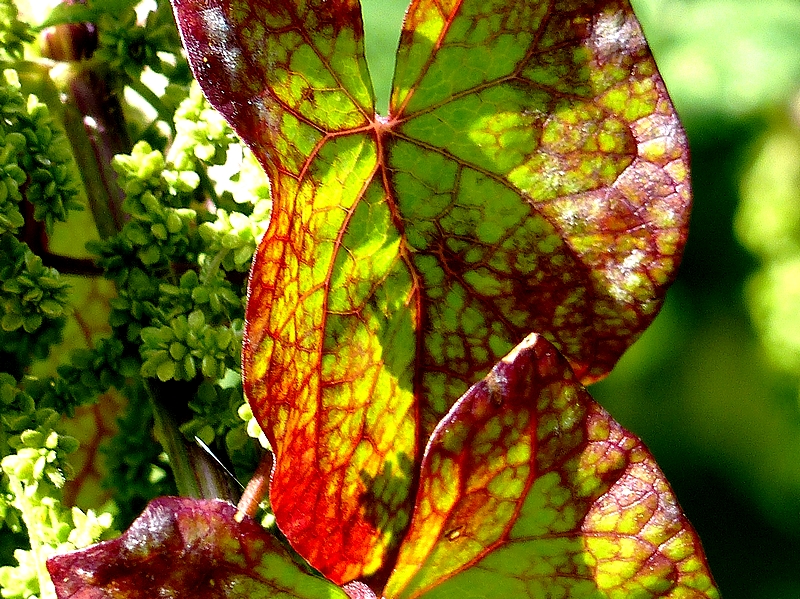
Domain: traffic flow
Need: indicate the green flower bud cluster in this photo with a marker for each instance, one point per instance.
(189, 346)
(187, 328)
(17, 411)
(215, 295)
(31, 452)
(90, 373)
(53, 186)
(147, 181)
(202, 138)
(34, 467)
(233, 236)
(172, 260)
(12, 177)
(158, 240)
(158, 232)
(126, 46)
(40, 455)
(33, 302)
(30, 292)
(178, 268)
(201, 133)
(33, 144)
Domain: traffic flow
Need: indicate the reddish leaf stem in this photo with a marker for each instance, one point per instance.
(257, 489)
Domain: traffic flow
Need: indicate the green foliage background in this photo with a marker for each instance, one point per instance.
(713, 386)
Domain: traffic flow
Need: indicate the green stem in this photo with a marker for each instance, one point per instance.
(93, 119)
(206, 184)
(170, 438)
(164, 113)
(196, 474)
(94, 123)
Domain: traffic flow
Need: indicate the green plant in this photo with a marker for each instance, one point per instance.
(531, 177)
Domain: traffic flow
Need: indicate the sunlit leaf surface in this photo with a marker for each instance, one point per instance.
(531, 176)
(187, 548)
(527, 489)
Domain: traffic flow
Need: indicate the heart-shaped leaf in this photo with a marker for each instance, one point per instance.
(527, 489)
(531, 176)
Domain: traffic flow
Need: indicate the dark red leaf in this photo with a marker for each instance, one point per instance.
(191, 549)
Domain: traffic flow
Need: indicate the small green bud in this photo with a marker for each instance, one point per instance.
(189, 366)
(31, 438)
(166, 370)
(52, 440)
(196, 320)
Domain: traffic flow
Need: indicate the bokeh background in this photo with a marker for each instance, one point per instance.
(712, 386)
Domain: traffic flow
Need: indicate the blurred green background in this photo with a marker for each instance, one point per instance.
(712, 386)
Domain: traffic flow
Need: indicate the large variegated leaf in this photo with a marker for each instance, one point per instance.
(531, 176)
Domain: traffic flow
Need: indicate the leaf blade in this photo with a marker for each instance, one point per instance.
(319, 405)
(322, 162)
(183, 547)
(563, 125)
(529, 488)
(385, 267)
(284, 75)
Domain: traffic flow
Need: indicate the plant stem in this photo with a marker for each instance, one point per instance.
(93, 121)
(195, 472)
(164, 113)
(257, 489)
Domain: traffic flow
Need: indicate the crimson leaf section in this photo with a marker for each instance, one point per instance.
(187, 549)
